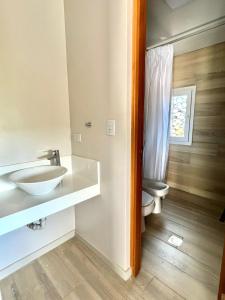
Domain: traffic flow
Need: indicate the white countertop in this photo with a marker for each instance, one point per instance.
(17, 208)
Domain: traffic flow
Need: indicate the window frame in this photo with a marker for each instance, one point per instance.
(189, 119)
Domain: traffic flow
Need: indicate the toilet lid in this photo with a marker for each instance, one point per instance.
(146, 198)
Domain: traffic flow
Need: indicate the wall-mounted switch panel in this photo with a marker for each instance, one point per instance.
(77, 137)
(111, 127)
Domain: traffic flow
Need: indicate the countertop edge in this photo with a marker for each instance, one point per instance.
(21, 218)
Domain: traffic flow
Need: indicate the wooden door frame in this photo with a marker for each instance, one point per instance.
(221, 295)
(137, 126)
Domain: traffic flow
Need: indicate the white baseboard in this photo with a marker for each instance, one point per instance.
(124, 274)
(26, 260)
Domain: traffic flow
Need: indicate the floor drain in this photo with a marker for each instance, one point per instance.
(222, 217)
(175, 240)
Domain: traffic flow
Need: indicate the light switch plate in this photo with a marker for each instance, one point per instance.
(111, 127)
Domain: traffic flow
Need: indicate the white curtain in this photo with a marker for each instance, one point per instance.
(158, 86)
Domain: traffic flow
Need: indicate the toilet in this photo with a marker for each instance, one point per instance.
(152, 194)
(148, 206)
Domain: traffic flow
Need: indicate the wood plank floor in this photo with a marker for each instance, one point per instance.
(191, 270)
(74, 271)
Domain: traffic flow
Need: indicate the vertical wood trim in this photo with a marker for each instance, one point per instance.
(137, 120)
(221, 295)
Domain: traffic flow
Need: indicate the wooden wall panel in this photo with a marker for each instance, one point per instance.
(200, 168)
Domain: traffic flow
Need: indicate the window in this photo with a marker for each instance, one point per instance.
(182, 115)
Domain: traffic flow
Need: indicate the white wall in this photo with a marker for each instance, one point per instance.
(34, 113)
(34, 103)
(21, 243)
(98, 44)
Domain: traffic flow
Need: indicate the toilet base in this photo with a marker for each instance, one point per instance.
(158, 205)
(143, 224)
(156, 210)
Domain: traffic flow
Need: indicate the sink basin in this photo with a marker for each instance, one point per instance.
(38, 180)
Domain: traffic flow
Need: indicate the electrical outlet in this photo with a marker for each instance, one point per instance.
(77, 137)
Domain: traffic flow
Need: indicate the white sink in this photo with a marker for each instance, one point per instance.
(38, 180)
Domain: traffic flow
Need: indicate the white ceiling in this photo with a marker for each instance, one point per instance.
(166, 18)
(176, 3)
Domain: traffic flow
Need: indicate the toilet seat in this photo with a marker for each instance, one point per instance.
(146, 199)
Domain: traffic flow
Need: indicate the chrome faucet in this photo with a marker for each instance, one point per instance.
(54, 157)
